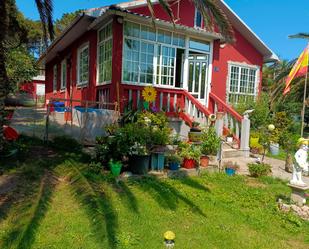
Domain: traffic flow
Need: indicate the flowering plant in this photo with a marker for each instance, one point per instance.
(138, 150)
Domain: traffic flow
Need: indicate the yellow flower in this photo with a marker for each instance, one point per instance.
(149, 94)
(169, 235)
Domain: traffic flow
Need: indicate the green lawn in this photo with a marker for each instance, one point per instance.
(56, 203)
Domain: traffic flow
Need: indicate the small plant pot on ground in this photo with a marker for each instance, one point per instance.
(274, 149)
(115, 167)
(189, 163)
(230, 171)
(204, 161)
(139, 164)
(173, 165)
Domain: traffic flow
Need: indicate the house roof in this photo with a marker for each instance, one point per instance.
(237, 22)
(92, 17)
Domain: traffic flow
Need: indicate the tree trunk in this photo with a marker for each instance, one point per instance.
(288, 163)
(4, 27)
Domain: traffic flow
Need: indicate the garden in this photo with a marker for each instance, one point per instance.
(56, 193)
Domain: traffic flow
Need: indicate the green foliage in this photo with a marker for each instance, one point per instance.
(259, 169)
(173, 158)
(210, 141)
(189, 151)
(66, 19)
(20, 66)
(261, 114)
(95, 167)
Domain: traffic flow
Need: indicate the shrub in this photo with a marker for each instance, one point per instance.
(173, 158)
(189, 151)
(95, 167)
(210, 142)
(259, 169)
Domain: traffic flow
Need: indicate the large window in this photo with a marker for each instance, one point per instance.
(55, 74)
(242, 83)
(63, 74)
(83, 65)
(150, 55)
(105, 45)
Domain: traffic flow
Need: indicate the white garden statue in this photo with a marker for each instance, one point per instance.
(300, 164)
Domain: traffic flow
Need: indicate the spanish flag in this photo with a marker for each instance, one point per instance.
(300, 68)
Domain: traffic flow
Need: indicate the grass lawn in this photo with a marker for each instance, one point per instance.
(53, 201)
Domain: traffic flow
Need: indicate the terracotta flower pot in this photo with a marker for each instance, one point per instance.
(204, 161)
(188, 163)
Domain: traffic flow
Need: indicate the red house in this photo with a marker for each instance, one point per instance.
(112, 52)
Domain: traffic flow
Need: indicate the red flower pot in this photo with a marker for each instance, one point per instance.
(188, 163)
(204, 161)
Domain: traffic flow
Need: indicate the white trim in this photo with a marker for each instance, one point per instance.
(210, 68)
(79, 51)
(202, 21)
(62, 85)
(98, 51)
(242, 65)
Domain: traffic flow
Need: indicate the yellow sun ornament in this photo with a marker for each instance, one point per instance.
(149, 94)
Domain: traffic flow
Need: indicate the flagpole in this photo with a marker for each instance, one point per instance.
(304, 106)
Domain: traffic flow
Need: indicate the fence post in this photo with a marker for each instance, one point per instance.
(219, 124)
(245, 136)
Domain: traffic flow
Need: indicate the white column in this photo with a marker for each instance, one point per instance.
(245, 136)
(186, 65)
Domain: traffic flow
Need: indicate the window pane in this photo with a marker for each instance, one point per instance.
(164, 36)
(199, 45)
(198, 19)
(132, 29)
(148, 33)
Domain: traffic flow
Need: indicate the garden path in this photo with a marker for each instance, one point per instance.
(276, 164)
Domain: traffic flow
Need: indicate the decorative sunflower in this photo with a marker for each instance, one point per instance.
(149, 94)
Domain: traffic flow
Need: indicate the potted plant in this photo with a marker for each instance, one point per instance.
(139, 159)
(195, 132)
(190, 153)
(230, 168)
(173, 161)
(209, 146)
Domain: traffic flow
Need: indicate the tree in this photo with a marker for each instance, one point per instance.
(66, 19)
(213, 16)
(11, 36)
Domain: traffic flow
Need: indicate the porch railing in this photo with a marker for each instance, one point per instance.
(180, 103)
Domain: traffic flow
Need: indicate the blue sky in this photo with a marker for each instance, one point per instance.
(271, 20)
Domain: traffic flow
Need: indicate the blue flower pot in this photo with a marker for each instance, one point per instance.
(174, 166)
(230, 172)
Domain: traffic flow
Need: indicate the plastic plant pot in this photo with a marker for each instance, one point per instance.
(115, 168)
(274, 149)
(140, 164)
(189, 163)
(230, 171)
(174, 166)
(204, 161)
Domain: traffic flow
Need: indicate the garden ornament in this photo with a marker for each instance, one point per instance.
(271, 127)
(169, 239)
(300, 163)
(247, 112)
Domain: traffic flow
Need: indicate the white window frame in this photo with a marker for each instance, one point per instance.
(98, 83)
(79, 51)
(64, 80)
(157, 58)
(241, 65)
(55, 78)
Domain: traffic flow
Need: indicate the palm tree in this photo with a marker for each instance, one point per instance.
(300, 36)
(211, 12)
(10, 29)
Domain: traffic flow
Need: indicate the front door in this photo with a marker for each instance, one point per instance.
(198, 77)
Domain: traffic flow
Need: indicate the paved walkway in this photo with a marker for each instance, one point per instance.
(277, 167)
